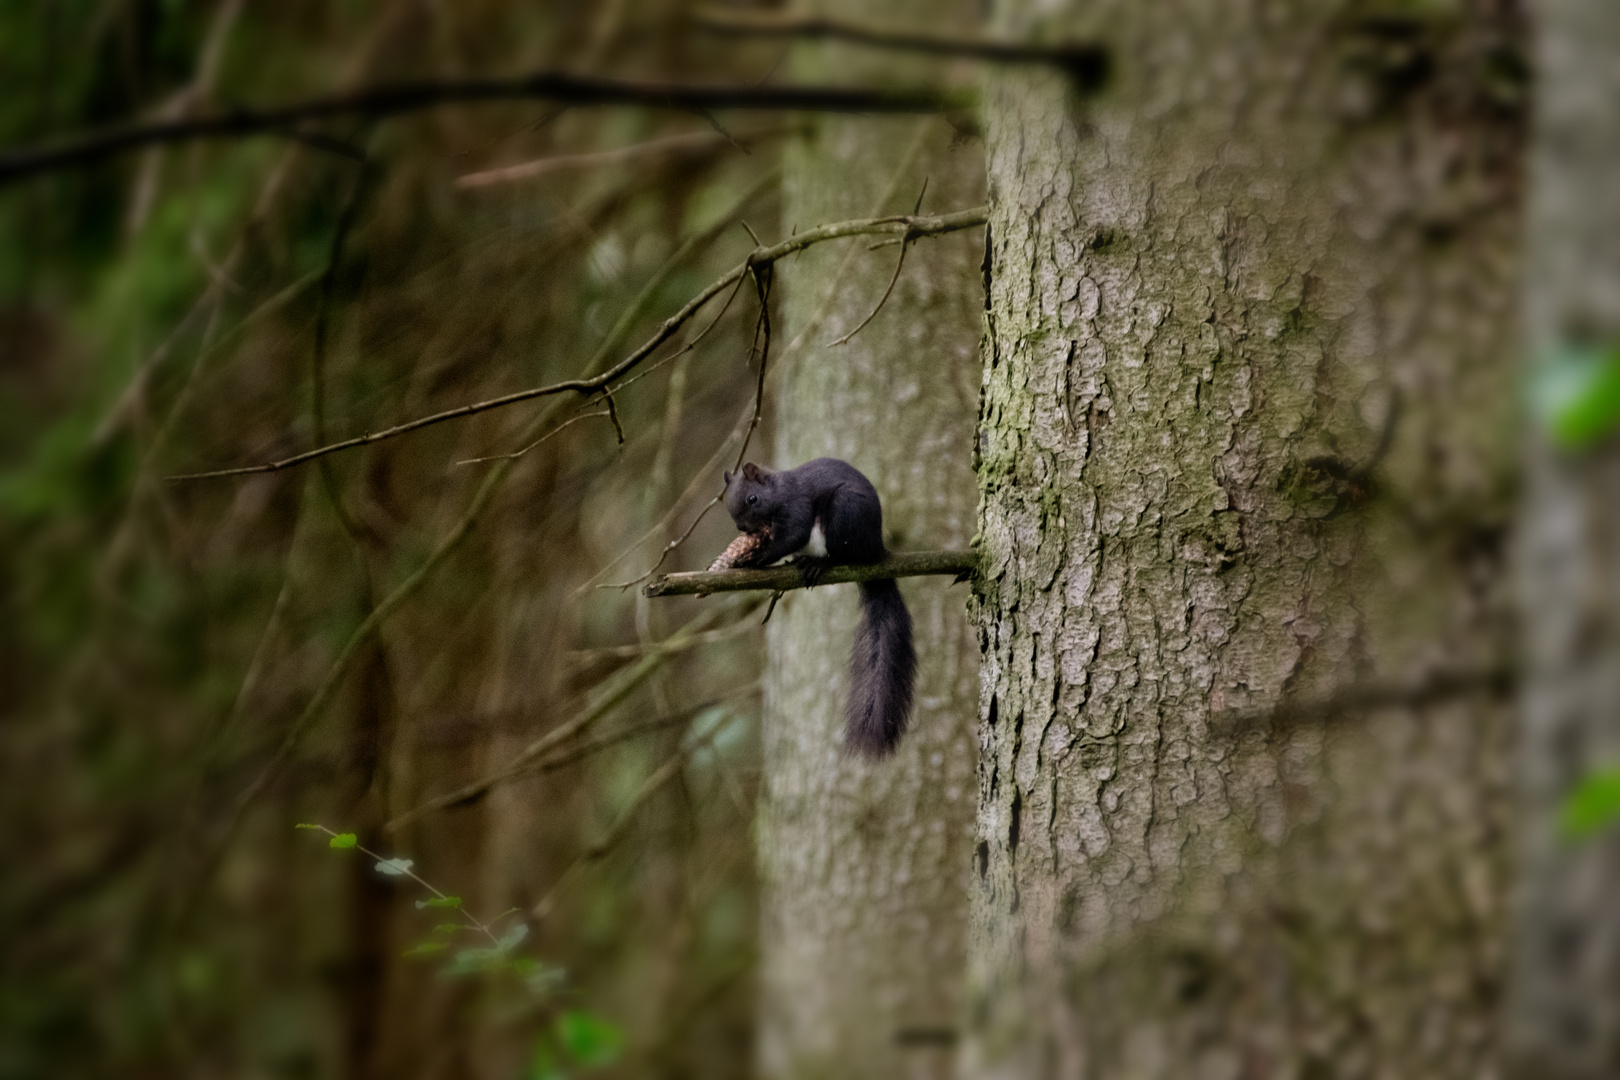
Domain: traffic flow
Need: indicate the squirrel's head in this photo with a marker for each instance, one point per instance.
(751, 497)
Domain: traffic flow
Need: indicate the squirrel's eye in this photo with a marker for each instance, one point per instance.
(752, 499)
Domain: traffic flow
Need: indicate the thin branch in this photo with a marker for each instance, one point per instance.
(782, 578)
(1088, 63)
(624, 734)
(549, 116)
(616, 689)
(905, 243)
(613, 415)
(762, 342)
(402, 867)
(672, 545)
(759, 257)
(395, 99)
(514, 455)
(702, 474)
(649, 787)
(452, 540)
(687, 142)
(582, 657)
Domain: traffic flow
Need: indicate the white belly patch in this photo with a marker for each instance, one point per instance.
(816, 546)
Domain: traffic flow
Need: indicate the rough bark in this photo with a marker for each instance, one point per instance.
(864, 865)
(1564, 1012)
(1246, 376)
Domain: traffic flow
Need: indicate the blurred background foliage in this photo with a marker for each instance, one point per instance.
(197, 307)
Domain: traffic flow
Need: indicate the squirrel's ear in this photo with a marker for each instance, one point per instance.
(753, 472)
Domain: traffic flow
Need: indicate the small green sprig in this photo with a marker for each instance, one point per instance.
(575, 1039)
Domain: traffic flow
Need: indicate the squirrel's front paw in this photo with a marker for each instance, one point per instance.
(811, 568)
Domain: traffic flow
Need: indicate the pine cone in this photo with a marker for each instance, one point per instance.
(739, 551)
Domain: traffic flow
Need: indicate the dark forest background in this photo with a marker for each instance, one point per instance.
(186, 670)
(379, 763)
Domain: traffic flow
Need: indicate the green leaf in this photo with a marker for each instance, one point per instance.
(445, 929)
(1575, 394)
(395, 867)
(474, 961)
(343, 840)
(425, 948)
(1594, 804)
(439, 901)
(513, 937)
(317, 828)
(539, 978)
(588, 1039)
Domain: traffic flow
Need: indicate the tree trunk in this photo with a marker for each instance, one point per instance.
(864, 864)
(1243, 490)
(1565, 1008)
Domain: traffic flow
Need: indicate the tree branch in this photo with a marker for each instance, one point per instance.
(689, 142)
(395, 99)
(1086, 62)
(900, 225)
(613, 692)
(783, 578)
(452, 540)
(649, 787)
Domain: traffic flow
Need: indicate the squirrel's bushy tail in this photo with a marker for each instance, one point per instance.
(883, 667)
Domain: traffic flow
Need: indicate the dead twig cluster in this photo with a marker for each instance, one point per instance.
(758, 262)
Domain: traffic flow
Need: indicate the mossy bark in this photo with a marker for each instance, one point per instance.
(864, 865)
(1246, 382)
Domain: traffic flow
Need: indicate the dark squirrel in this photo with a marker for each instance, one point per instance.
(825, 512)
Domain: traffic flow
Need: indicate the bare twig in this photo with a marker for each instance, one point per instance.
(704, 473)
(581, 657)
(672, 545)
(378, 102)
(452, 540)
(120, 409)
(659, 777)
(759, 257)
(601, 742)
(783, 578)
(762, 344)
(546, 118)
(905, 243)
(1088, 63)
(685, 143)
(514, 455)
(617, 688)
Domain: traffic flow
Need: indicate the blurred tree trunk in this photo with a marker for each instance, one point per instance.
(1565, 1007)
(1244, 486)
(864, 866)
